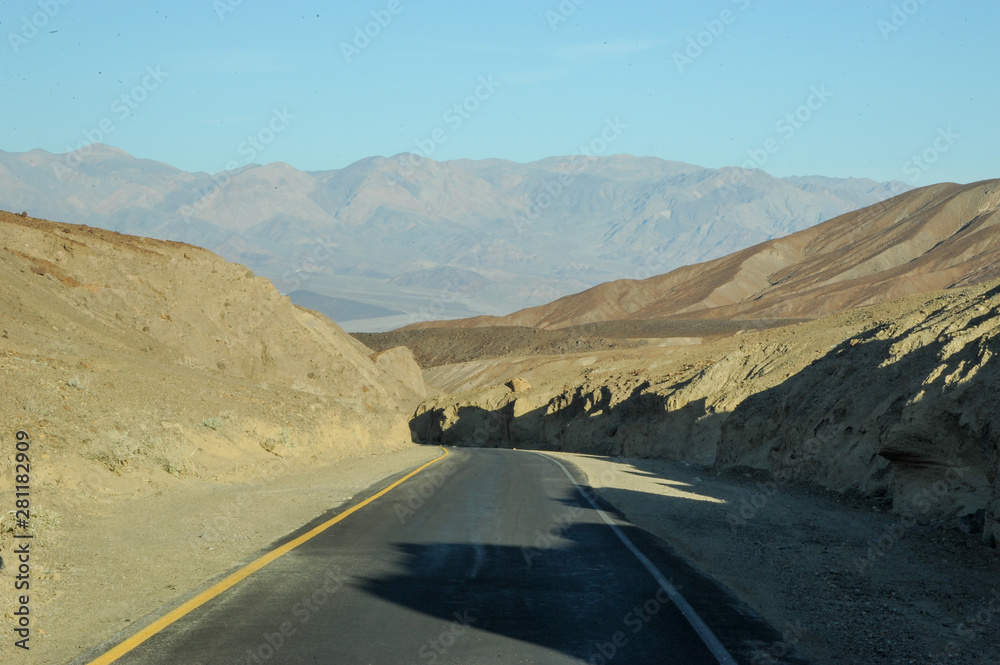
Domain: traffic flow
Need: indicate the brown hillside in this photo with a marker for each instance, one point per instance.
(937, 237)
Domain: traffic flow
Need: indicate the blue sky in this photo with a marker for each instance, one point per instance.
(798, 88)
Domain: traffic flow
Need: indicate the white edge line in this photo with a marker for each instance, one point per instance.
(700, 627)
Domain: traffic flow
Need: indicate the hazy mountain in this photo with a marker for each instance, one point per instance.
(442, 239)
(939, 237)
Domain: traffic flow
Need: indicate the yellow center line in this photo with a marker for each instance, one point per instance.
(241, 574)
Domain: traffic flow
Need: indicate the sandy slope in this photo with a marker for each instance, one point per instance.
(157, 374)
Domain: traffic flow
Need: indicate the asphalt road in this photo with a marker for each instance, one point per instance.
(487, 556)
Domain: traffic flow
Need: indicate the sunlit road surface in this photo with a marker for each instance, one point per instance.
(486, 556)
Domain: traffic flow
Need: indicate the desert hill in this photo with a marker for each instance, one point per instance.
(456, 238)
(938, 237)
(895, 400)
(855, 457)
(889, 373)
(852, 454)
(152, 374)
(90, 301)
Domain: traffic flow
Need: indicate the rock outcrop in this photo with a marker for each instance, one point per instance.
(399, 363)
(896, 400)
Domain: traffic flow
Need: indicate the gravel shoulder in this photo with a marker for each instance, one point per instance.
(846, 582)
(119, 557)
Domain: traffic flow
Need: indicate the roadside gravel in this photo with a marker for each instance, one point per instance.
(119, 557)
(801, 559)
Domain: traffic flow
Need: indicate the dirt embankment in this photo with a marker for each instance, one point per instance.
(895, 401)
(145, 370)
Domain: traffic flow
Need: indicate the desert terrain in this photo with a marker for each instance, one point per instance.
(456, 238)
(822, 443)
(849, 464)
(878, 406)
(937, 237)
(486, 333)
(168, 394)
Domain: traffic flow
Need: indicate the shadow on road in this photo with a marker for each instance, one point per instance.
(575, 589)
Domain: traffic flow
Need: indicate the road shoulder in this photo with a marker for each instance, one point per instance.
(797, 557)
(130, 556)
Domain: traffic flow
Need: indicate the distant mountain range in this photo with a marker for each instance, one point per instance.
(934, 238)
(382, 243)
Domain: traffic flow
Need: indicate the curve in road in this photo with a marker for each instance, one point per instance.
(481, 556)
